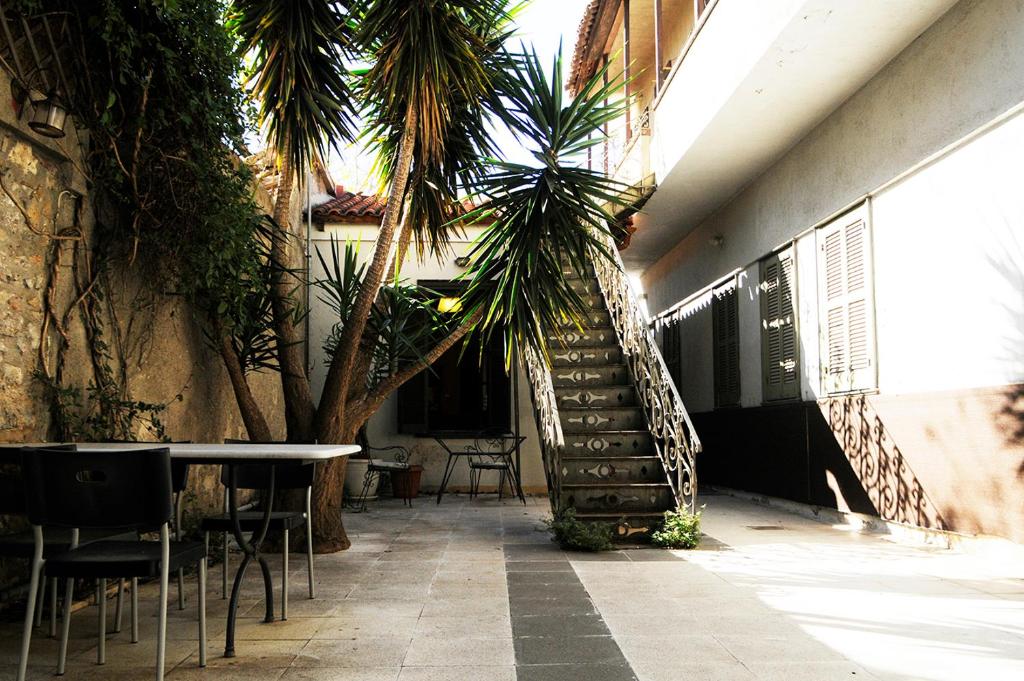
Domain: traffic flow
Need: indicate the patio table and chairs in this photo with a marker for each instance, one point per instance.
(128, 486)
(489, 452)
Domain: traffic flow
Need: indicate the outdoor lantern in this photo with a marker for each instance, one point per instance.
(447, 304)
(48, 115)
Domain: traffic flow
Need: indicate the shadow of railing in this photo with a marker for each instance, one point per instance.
(876, 459)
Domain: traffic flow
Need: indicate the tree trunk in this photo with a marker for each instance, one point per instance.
(298, 400)
(331, 414)
(252, 415)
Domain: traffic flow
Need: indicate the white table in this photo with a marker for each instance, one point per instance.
(234, 455)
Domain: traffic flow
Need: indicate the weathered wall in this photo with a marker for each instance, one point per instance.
(167, 360)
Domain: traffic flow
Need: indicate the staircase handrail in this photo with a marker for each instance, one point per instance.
(545, 410)
(675, 439)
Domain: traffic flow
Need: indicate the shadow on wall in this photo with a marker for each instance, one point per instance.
(895, 492)
(1008, 263)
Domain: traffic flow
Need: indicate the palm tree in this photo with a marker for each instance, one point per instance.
(439, 76)
(298, 77)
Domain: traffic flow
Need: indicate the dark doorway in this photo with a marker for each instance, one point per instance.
(466, 391)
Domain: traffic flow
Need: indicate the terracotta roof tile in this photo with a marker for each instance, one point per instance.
(349, 205)
(580, 70)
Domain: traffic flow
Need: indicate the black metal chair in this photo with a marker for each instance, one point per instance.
(491, 454)
(377, 467)
(179, 482)
(57, 539)
(296, 476)
(106, 491)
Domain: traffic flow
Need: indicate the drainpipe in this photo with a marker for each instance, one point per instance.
(309, 236)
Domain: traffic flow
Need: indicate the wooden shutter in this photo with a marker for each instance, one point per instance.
(780, 353)
(671, 350)
(725, 322)
(847, 306)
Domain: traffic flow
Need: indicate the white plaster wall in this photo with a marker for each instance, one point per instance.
(948, 238)
(383, 426)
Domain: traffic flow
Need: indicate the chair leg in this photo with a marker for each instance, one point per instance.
(53, 607)
(309, 558)
(101, 640)
(135, 609)
(33, 595)
(501, 484)
(65, 626)
(284, 579)
(119, 606)
(39, 600)
(178, 537)
(202, 612)
(366, 491)
(161, 635)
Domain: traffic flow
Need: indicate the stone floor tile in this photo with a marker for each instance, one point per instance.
(358, 653)
(575, 672)
(427, 651)
(446, 673)
(576, 650)
(383, 625)
(341, 674)
(560, 626)
(486, 626)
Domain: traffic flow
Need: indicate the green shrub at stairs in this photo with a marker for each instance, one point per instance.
(681, 530)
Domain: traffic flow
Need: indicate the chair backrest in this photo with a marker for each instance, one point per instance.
(295, 475)
(12, 482)
(102, 490)
(179, 469)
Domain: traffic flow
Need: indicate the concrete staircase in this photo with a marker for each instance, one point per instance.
(608, 469)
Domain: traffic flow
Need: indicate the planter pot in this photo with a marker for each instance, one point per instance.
(355, 478)
(406, 484)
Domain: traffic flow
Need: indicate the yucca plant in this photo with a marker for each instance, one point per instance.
(439, 78)
(547, 216)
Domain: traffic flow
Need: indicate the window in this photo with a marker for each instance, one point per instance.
(780, 352)
(847, 305)
(465, 391)
(671, 350)
(725, 327)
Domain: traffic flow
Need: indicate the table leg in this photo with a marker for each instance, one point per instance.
(251, 551)
(448, 469)
(517, 486)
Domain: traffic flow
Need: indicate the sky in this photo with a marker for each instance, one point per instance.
(542, 24)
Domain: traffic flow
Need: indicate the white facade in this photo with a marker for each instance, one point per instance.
(932, 149)
(383, 426)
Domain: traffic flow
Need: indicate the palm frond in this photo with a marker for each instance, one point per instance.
(298, 75)
(547, 217)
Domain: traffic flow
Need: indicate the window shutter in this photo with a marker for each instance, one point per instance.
(780, 353)
(725, 322)
(671, 350)
(848, 338)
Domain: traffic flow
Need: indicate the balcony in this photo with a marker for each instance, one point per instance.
(785, 65)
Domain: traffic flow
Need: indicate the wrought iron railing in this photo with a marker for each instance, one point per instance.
(675, 440)
(545, 409)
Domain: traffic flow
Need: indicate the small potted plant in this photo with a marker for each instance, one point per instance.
(405, 484)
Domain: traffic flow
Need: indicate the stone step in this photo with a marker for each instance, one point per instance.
(625, 443)
(597, 396)
(618, 469)
(601, 419)
(612, 498)
(570, 356)
(590, 320)
(585, 286)
(628, 526)
(615, 374)
(575, 338)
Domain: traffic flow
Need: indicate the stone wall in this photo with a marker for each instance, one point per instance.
(166, 359)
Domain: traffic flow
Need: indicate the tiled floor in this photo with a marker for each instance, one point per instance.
(473, 592)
